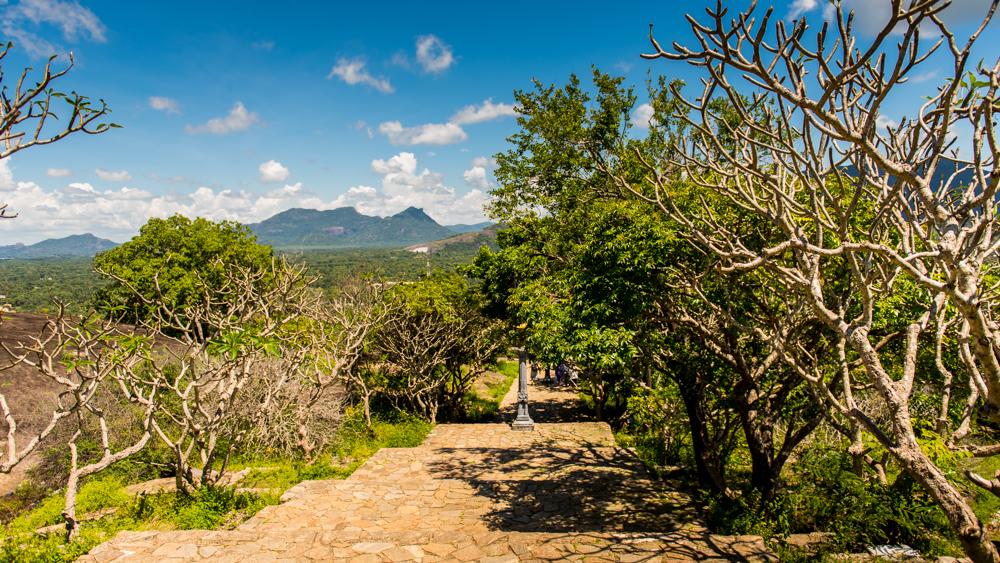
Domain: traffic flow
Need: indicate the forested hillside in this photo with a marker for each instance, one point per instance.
(32, 284)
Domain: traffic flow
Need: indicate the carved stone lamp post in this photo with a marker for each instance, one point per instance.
(523, 420)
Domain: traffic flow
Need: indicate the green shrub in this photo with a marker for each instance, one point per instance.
(823, 494)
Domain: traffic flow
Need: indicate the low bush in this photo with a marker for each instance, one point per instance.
(822, 494)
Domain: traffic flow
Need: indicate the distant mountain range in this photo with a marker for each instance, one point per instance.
(292, 229)
(346, 228)
(74, 245)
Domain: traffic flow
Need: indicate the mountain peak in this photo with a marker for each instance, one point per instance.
(345, 227)
(415, 213)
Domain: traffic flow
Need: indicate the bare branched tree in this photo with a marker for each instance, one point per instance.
(308, 413)
(412, 349)
(804, 149)
(227, 337)
(81, 356)
(25, 109)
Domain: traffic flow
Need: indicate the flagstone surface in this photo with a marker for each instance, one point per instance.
(470, 492)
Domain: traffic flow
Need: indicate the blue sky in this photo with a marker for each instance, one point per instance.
(239, 110)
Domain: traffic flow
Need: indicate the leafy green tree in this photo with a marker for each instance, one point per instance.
(601, 278)
(435, 344)
(913, 207)
(171, 261)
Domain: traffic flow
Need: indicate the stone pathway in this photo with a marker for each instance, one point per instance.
(470, 492)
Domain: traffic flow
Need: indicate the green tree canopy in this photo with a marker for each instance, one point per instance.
(167, 259)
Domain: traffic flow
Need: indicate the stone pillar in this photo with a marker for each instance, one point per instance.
(523, 421)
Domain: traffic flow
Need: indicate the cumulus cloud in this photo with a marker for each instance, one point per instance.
(403, 186)
(164, 104)
(642, 115)
(476, 177)
(81, 208)
(433, 54)
(6, 177)
(484, 162)
(353, 72)
(272, 172)
(122, 176)
(429, 134)
(487, 111)
(239, 119)
(18, 23)
(58, 173)
(402, 162)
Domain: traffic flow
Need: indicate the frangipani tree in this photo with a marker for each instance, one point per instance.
(804, 151)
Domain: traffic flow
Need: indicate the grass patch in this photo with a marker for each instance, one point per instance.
(484, 409)
(216, 508)
(355, 444)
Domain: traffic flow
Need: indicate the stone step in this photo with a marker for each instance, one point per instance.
(561, 435)
(500, 464)
(430, 546)
(599, 505)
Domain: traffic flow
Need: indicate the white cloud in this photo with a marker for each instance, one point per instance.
(476, 177)
(164, 104)
(266, 45)
(402, 162)
(484, 162)
(642, 115)
(399, 58)
(799, 7)
(402, 187)
(272, 172)
(487, 111)
(353, 72)
(239, 119)
(71, 18)
(58, 173)
(429, 134)
(122, 176)
(81, 208)
(6, 177)
(433, 54)
(884, 122)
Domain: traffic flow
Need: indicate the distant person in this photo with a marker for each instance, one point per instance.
(534, 372)
(562, 372)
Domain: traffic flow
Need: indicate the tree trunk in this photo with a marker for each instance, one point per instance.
(974, 538)
(69, 508)
(709, 469)
(759, 433)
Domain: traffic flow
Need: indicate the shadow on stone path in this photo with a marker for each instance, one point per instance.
(471, 492)
(546, 403)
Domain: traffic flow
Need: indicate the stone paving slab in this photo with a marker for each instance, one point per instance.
(498, 464)
(566, 435)
(424, 547)
(483, 493)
